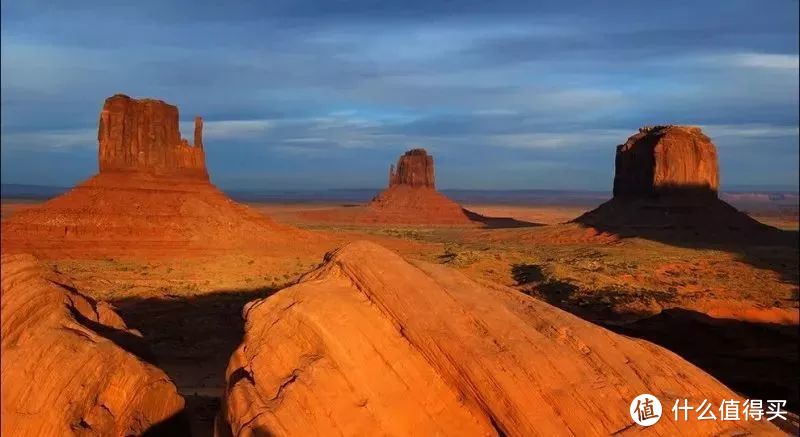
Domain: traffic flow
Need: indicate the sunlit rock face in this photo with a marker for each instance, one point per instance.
(414, 169)
(143, 136)
(666, 161)
(152, 194)
(372, 344)
(71, 367)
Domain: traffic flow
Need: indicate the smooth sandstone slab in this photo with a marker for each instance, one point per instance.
(63, 370)
(370, 344)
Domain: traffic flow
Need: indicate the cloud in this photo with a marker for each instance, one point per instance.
(324, 86)
(753, 60)
(43, 140)
(767, 60)
(229, 129)
(747, 131)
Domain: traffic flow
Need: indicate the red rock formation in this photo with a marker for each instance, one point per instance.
(370, 344)
(152, 194)
(414, 169)
(143, 136)
(63, 371)
(411, 197)
(665, 188)
(666, 160)
(198, 132)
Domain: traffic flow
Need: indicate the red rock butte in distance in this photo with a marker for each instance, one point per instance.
(415, 169)
(152, 194)
(142, 135)
(411, 197)
(666, 160)
(666, 182)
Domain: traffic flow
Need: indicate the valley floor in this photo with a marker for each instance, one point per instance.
(730, 309)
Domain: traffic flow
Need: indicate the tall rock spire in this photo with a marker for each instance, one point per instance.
(198, 132)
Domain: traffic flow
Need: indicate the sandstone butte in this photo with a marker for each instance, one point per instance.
(411, 197)
(666, 160)
(370, 344)
(62, 374)
(152, 193)
(667, 177)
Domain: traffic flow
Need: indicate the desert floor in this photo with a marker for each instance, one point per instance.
(730, 309)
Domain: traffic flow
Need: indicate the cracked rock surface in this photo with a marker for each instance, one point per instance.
(69, 364)
(370, 344)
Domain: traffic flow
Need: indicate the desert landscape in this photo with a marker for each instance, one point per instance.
(399, 219)
(158, 276)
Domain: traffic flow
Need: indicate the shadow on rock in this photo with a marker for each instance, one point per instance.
(192, 338)
(176, 425)
(759, 360)
(700, 223)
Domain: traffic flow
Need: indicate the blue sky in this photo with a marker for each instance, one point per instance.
(316, 94)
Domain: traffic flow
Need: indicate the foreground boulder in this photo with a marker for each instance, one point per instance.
(152, 194)
(63, 369)
(369, 344)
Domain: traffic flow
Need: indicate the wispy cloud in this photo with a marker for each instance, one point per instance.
(744, 131)
(314, 85)
(767, 60)
(43, 140)
(230, 129)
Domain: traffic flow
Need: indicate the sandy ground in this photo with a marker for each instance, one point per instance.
(731, 310)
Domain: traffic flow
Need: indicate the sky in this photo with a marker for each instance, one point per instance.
(322, 94)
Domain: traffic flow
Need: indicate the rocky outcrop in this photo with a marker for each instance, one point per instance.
(152, 194)
(665, 188)
(666, 160)
(65, 367)
(143, 136)
(414, 169)
(411, 197)
(370, 344)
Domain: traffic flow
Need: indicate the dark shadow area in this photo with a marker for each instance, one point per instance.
(600, 306)
(176, 425)
(699, 223)
(498, 222)
(192, 338)
(128, 341)
(758, 360)
(527, 273)
(124, 339)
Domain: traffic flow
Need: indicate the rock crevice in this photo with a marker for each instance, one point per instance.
(65, 367)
